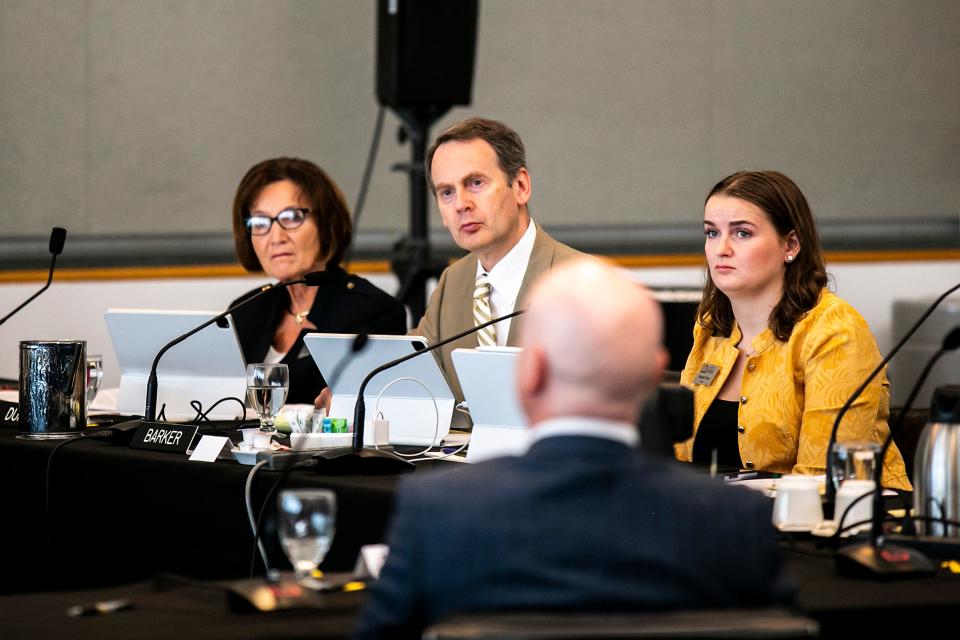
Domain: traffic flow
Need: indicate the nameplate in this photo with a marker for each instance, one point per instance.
(164, 436)
(706, 374)
(9, 414)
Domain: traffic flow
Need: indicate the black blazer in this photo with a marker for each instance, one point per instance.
(578, 523)
(348, 304)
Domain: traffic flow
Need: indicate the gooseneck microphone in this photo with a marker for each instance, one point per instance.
(830, 489)
(875, 558)
(312, 279)
(58, 235)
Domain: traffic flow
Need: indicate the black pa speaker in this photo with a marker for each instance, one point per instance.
(425, 52)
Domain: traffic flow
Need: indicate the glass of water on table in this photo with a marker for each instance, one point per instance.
(267, 387)
(307, 522)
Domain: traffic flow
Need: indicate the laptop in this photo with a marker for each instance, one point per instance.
(488, 378)
(414, 397)
(205, 367)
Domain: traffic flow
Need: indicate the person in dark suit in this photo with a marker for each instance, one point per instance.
(477, 171)
(290, 219)
(583, 520)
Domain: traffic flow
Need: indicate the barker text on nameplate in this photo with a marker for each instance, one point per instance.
(164, 436)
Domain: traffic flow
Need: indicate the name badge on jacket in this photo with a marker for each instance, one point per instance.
(706, 374)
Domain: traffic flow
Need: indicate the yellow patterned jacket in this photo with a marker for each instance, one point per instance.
(791, 391)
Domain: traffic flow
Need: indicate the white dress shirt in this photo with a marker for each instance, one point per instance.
(506, 277)
(623, 432)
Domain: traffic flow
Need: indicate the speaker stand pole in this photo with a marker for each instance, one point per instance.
(412, 262)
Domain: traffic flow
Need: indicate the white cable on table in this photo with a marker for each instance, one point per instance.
(436, 413)
(247, 491)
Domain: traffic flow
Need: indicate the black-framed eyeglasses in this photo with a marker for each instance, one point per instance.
(259, 224)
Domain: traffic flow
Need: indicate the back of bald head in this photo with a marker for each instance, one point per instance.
(598, 338)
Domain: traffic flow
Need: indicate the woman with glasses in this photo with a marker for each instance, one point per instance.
(290, 219)
(776, 354)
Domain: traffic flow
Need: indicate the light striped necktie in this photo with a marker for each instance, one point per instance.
(481, 312)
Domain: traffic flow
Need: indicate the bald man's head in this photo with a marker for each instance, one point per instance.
(592, 344)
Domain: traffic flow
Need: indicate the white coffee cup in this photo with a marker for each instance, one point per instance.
(797, 505)
(255, 438)
(849, 491)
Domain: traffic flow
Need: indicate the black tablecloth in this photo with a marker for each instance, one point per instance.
(844, 608)
(870, 606)
(121, 515)
(180, 612)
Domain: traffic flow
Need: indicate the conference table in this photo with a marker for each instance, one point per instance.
(120, 517)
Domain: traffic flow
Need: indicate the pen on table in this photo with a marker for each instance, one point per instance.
(99, 608)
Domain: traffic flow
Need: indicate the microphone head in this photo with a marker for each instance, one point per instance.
(952, 341)
(58, 236)
(360, 342)
(316, 278)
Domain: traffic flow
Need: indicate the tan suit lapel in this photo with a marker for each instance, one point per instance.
(541, 260)
(457, 313)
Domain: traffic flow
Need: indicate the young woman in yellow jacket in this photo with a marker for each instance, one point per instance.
(776, 354)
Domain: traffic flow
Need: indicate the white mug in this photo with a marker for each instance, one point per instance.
(849, 491)
(797, 505)
(255, 438)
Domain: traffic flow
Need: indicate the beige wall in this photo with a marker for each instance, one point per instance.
(74, 310)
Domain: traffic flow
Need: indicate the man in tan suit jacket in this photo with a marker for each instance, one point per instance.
(477, 171)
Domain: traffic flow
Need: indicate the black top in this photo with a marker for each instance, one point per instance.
(348, 304)
(718, 430)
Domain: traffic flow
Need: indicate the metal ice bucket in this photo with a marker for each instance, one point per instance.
(936, 483)
(52, 389)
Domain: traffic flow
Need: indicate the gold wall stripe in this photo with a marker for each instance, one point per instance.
(383, 266)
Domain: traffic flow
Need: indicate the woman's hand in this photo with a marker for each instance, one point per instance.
(323, 400)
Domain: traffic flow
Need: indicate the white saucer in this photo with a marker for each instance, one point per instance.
(825, 529)
(795, 528)
(246, 456)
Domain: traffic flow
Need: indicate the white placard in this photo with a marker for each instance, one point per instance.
(370, 561)
(209, 448)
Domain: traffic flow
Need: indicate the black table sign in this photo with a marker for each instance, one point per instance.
(164, 436)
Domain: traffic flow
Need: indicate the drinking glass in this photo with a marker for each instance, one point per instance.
(267, 387)
(853, 461)
(306, 528)
(94, 376)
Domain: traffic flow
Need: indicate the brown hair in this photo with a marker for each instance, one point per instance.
(327, 206)
(786, 208)
(511, 155)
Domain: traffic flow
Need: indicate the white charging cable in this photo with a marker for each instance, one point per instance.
(436, 412)
(248, 499)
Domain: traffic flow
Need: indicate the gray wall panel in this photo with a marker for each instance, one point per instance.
(43, 127)
(136, 117)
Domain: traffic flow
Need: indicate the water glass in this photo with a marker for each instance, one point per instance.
(94, 376)
(306, 529)
(853, 461)
(267, 387)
